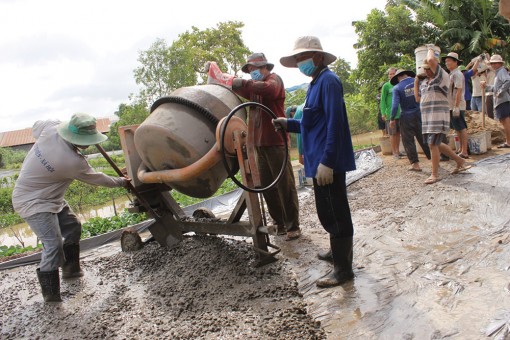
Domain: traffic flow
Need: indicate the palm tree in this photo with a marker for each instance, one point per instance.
(467, 26)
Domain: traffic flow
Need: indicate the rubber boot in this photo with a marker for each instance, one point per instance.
(50, 285)
(341, 249)
(325, 256)
(71, 267)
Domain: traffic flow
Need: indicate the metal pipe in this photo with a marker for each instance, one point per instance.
(181, 175)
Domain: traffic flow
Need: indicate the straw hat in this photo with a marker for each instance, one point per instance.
(496, 58)
(257, 60)
(394, 79)
(306, 44)
(453, 56)
(81, 130)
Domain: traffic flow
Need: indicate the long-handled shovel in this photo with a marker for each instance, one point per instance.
(131, 188)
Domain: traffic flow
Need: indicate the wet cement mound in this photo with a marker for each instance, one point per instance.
(207, 288)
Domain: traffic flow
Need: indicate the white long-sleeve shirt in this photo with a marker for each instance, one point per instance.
(48, 170)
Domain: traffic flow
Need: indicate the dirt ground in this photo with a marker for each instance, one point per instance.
(208, 288)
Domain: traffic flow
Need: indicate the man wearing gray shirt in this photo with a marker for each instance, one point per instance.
(501, 89)
(38, 196)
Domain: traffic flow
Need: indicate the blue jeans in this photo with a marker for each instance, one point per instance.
(55, 230)
(333, 207)
(476, 104)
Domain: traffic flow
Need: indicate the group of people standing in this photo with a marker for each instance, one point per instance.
(421, 107)
(427, 106)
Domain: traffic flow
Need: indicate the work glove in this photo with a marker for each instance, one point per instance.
(280, 124)
(456, 111)
(324, 175)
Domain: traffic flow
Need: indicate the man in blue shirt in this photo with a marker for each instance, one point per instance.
(328, 151)
(410, 116)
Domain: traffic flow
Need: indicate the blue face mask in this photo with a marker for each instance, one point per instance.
(256, 75)
(307, 67)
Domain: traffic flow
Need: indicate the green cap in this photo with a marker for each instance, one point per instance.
(81, 130)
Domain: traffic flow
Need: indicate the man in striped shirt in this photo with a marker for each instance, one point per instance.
(432, 93)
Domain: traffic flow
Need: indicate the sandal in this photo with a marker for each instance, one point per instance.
(503, 146)
(431, 180)
(464, 167)
(463, 156)
(293, 235)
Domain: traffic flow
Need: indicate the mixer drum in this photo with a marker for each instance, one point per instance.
(181, 129)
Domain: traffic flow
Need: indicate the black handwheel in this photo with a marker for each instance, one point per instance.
(224, 157)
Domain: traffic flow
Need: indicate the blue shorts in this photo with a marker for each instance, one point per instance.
(433, 138)
(502, 111)
(458, 123)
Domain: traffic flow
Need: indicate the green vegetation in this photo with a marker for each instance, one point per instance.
(14, 250)
(11, 159)
(101, 225)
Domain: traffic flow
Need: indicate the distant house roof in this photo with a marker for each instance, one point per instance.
(24, 136)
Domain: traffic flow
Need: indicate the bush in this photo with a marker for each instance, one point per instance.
(14, 250)
(11, 159)
(99, 225)
(362, 116)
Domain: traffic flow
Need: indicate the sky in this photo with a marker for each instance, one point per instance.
(62, 57)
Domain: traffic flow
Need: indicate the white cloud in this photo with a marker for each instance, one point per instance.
(59, 57)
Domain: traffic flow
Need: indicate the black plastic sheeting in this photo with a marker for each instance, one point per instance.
(367, 162)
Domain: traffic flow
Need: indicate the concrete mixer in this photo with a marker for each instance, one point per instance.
(189, 143)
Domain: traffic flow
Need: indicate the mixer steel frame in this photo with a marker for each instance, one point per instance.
(171, 222)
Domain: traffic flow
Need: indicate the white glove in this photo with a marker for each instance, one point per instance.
(324, 175)
(280, 123)
(456, 111)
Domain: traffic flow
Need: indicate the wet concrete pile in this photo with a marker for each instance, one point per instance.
(207, 288)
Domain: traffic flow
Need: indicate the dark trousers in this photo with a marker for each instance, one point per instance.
(333, 207)
(489, 106)
(282, 200)
(410, 127)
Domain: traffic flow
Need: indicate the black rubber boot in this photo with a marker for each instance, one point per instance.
(71, 267)
(325, 256)
(341, 249)
(50, 285)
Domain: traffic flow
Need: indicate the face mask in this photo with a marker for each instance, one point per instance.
(256, 75)
(307, 67)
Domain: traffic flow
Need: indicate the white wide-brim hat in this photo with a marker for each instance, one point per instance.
(306, 44)
(496, 58)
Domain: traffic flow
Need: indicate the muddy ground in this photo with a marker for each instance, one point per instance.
(412, 282)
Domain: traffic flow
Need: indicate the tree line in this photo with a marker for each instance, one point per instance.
(385, 38)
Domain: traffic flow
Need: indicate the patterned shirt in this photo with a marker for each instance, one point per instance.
(435, 114)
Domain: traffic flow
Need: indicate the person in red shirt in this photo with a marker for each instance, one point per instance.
(267, 88)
